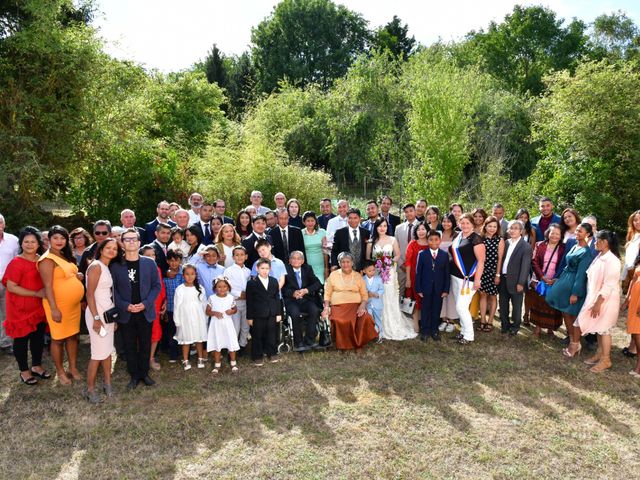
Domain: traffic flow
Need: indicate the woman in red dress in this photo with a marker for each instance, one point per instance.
(418, 244)
(26, 320)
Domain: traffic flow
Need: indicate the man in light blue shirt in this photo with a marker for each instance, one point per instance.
(278, 268)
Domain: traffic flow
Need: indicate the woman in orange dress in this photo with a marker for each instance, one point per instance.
(633, 319)
(63, 294)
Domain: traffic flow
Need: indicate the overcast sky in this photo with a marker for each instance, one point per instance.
(171, 35)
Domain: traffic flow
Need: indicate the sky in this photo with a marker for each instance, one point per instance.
(171, 35)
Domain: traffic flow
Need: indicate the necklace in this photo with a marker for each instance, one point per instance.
(350, 279)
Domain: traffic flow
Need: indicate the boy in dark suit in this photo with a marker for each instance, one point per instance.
(432, 285)
(264, 312)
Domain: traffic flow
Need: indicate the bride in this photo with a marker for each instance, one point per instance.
(394, 324)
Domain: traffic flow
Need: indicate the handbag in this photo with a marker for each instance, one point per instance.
(541, 287)
(407, 305)
(112, 315)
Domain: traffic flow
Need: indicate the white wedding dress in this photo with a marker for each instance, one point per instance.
(395, 325)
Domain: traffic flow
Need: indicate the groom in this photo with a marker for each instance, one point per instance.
(353, 239)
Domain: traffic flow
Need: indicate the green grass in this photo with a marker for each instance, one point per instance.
(501, 408)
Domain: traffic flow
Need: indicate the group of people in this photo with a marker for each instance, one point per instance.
(195, 281)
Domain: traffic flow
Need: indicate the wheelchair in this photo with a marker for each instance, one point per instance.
(286, 344)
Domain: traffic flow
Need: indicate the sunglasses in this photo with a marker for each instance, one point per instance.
(101, 232)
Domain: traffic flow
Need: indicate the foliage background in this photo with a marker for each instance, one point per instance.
(531, 106)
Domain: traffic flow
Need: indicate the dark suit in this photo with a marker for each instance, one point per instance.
(518, 270)
(263, 305)
(342, 243)
(229, 220)
(150, 230)
(249, 245)
(206, 239)
(307, 304)
(432, 280)
(369, 225)
(324, 219)
(393, 221)
(87, 258)
(294, 239)
(136, 328)
(161, 257)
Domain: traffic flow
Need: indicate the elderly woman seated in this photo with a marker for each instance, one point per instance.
(345, 302)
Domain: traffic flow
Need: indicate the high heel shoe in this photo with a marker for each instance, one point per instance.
(567, 351)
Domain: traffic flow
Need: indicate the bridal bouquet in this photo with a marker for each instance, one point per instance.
(384, 263)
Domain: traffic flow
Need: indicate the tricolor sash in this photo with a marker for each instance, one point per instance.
(457, 259)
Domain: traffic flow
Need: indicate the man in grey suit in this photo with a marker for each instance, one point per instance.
(404, 234)
(498, 212)
(513, 278)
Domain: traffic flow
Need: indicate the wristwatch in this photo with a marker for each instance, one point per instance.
(97, 317)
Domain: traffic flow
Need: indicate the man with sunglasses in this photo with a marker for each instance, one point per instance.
(136, 285)
(101, 231)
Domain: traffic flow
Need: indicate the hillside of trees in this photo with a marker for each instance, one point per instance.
(322, 101)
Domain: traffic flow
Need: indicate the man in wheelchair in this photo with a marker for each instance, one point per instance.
(300, 295)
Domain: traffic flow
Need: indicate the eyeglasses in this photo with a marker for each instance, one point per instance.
(101, 232)
(129, 240)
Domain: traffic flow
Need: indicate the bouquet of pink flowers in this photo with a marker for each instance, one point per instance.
(384, 263)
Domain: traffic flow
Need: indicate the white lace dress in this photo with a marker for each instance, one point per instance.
(394, 324)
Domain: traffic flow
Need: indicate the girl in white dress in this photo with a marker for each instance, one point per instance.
(189, 304)
(394, 324)
(222, 332)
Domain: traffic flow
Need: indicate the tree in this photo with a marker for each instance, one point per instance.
(242, 80)
(589, 128)
(49, 62)
(530, 43)
(215, 68)
(394, 37)
(306, 41)
(615, 36)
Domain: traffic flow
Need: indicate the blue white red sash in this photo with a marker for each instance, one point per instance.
(457, 259)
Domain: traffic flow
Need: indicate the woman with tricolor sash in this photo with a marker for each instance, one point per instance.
(467, 253)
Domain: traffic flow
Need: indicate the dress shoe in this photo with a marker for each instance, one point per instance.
(513, 333)
(300, 348)
(148, 381)
(312, 345)
(423, 338)
(133, 384)
(435, 337)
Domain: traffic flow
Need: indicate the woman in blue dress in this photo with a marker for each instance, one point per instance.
(570, 290)
(315, 240)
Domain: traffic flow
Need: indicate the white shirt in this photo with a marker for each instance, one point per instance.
(631, 252)
(8, 250)
(238, 277)
(265, 282)
(512, 246)
(351, 231)
(335, 224)
(434, 253)
(193, 217)
(261, 210)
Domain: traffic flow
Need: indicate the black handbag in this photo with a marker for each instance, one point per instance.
(112, 315)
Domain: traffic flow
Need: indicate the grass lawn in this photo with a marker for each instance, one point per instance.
(500, 408)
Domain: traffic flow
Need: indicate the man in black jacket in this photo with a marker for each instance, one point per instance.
(259, 224)
(286, 238)
(353, 239)
(385, 212)
(299, 293)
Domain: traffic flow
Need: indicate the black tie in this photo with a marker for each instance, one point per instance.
(207, 232)
(285, 244)
(409, 232)
(355, 236)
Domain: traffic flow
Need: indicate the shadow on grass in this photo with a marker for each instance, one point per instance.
(143, 434)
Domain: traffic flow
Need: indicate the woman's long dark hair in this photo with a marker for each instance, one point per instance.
(66, 252)
(119, 257)
(527, 225)
(195, 231)
(375, 236)
(612, 240)
(196, 283)
(29, 230)
(239, 227)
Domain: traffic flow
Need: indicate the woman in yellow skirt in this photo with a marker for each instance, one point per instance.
(63, 294)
